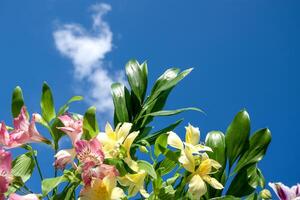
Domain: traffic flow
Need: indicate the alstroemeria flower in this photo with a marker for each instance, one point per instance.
(189, 147)
(64, 157)
(104, 189)
(72, 127)
(192, 139)
(5, 172)
(197, 185)
(24, 131)
(89, 152)
(117, 143)
(135, 182)
(23, 197)
(90, 172)
(285, 193)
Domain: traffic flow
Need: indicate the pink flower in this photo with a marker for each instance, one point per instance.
(4, 135)
(23, 197)
(89, 152)
(72, 127)
(285, 193)
(97, 172)
(5, 171)
(24, 131)
(64, 157)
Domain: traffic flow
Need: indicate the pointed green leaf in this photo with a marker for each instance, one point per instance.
(147, 167)
(172, 112)
(47, 104)
(137, 78)
(151, 138)
(227, 197)
(90, 124)
(237, 136)
(258, 146)
(17, 101)
(119, 99)
(160, 141)
(65, 107)
(50, 183)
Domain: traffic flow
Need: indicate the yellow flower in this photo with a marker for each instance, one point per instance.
(117, 143)
(189, 147)
(197, 185)
(102, 189)
(135, 183)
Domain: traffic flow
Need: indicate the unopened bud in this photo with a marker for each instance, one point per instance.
(265, 194)
(143, 149)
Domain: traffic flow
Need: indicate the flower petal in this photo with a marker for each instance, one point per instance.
(283, 192)
(175, 141)
(213, 182)
(192, 135)
(197, 187)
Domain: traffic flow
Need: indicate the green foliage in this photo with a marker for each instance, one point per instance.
(47, 103)
(17, 101)
(90, 124)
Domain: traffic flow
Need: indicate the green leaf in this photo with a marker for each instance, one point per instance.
(137, 78)
(237, 136)
(258, 146)
(167, 192)
(56, 133)
(169, 79)
(151, 138)
(122, 167)
(227, 197)
(119, 98)
(252, 196)
(216, 141)
(65, 107)
(166, 166)
(50, 183)
(246, 181)
(172, 112)
(47, 104)
(90, 124)
(17, 101)
(147, 167)
(23, 166)
(160, 141)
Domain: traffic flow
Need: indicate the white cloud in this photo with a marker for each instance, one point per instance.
(87, 50)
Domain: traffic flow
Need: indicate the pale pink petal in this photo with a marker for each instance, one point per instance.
(5, 170)
(72, 127)
(22, 121)
(23, 197)
(64, 157)
(89, 151)
(283, 192)
(91, 172)
(4, 136)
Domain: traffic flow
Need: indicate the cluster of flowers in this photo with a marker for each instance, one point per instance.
(101, 180)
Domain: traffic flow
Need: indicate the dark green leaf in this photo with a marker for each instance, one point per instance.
(137, 79)
(90, 124)
(227, 197)
(216, 141)
(17, 101)
(172, 112)
(119, 98)
(47, 104)
(151, 138)
(237, 136)
(166, 166)
(258, 146)
(246, 181)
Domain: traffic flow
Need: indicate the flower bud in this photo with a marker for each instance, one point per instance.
(265, 194)
(143, 149)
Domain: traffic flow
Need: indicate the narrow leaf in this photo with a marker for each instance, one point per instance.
(119, 99)
(144, 165)
(47, 104)
(17, 101)
(172, 112)
(50, 183)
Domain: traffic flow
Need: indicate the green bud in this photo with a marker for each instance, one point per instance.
(143, 149)
(265, 194)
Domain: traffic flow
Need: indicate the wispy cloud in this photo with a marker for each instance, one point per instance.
(87, 50)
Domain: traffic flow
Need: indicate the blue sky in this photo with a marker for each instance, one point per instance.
(245, 54)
